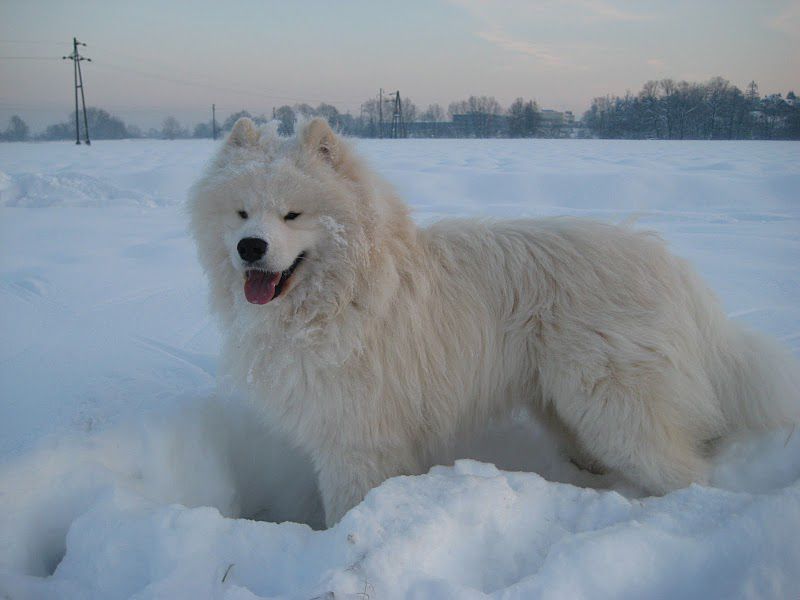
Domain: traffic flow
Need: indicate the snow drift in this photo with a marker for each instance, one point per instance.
(125, 471)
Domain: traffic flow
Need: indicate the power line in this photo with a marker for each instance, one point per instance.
(220, 88)
(34, 42)
(113, 107)
(171, 68)
(28, 58)
(268, 94)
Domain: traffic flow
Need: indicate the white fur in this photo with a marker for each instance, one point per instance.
(392, 338)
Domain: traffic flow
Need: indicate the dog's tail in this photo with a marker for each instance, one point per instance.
(762, 383)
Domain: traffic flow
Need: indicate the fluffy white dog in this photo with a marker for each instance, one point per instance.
(371, 342)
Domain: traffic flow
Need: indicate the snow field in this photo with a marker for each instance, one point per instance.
(126, 472)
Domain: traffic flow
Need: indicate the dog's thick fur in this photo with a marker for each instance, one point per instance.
(390, 338)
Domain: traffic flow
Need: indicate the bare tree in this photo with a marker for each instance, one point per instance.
(434, 114)
(523, 118)
(409, 110)
(714, 109)
(286, 116)
(171, 129)
(717, 92)
(461, 107)
(17, 131)
(228, 124)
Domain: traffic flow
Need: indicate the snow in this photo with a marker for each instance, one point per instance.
(126, 472)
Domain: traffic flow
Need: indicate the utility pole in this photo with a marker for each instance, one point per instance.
(214, 121)
(398, 123)
(380, 113)
(76, 59)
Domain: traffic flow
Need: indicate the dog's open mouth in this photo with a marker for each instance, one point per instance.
(261, 287)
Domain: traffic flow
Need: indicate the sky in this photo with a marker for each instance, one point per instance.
(153, 58)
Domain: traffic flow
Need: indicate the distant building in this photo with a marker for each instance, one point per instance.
(552, 118)
(557, 124)
(484, 125)
(479, 124)
(431, 129)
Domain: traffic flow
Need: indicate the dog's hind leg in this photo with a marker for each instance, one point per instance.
(572, 447)
(345, 477)
(637, 433)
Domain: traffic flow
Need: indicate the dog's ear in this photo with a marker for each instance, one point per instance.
(319, 139)
(244, 133)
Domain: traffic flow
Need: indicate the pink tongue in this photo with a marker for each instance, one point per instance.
(259, 288)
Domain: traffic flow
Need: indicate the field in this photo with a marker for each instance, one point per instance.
(125, 470)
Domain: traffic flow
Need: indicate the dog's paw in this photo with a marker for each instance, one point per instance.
(589, 465)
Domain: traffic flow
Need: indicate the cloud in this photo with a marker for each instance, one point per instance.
(565, 10)
(655, 62)
(605, 11)
(540, 52)
(788, 21)
(497, 19)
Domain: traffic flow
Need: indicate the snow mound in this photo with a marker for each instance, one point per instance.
(148, 511)
(37, 190)
(202, 454)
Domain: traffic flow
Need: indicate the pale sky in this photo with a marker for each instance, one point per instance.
(152, 59)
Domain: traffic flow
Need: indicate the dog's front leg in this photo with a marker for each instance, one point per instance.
(346, 476)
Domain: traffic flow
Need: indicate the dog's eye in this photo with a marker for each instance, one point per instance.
(291, 216)
(243, 214)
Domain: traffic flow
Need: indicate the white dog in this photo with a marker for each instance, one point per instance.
(371, 341)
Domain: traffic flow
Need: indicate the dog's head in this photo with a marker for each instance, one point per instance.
(286, 228)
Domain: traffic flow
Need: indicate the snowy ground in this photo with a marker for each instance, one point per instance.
(125, 473)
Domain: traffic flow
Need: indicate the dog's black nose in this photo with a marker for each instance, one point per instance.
(251, 249)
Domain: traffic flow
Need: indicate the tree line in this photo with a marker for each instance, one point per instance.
(477, 116)
(663, 109)
(714, 110)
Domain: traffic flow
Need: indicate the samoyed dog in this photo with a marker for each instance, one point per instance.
(371, 341)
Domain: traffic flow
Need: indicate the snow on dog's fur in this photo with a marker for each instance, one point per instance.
(371, 342)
